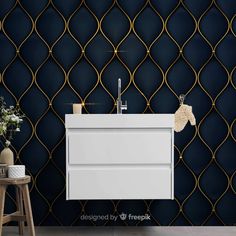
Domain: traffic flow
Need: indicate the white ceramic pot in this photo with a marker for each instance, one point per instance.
(16, 171)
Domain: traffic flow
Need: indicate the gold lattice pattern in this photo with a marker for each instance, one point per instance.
(56, 52)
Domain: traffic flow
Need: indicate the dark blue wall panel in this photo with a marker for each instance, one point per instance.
(54, 53)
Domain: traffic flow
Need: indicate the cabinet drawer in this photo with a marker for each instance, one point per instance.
(120, 146)
(120, 183)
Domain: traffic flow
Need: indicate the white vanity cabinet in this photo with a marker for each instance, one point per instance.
(128, 156)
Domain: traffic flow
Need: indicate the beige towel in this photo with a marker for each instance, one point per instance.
(182, 116)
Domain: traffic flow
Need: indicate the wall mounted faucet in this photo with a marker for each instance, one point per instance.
(119, 105)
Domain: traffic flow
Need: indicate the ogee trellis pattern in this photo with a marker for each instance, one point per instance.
(56, 52)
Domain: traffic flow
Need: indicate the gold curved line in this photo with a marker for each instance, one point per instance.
(177, 58)
(177, 215)
(68, 80)
(77, 217)
(176, 43)
(228, 25)
(148, 101)
(181, 54)
(97, 26)
(228, 128)
(35, 25)
(41, 195)
(133, 78)
(228, 186)
(133, 24)
(53, 45)
(206, 220)
(227, 72)
(36, 125)
(64, 176)
(3, 23)
(80, 57)
(163, 25)
(67, 25)
(181, 211)
(194, 188)
(200, 19)
(198, 182)
(130, 26)
(166, 23)
(206, 40)
(32, 22)
(5, 17)
(87, 59)
(13, 43)
(195, 23)
(3, 79)
(183, 47)
(231, 130)
(111, 59)
(179, 155)
(120, 43)
(199, 134)
(189, 143)
(231, 77)
(231, 182)
(231, 25)
(199, 75)
(27, 141)
(45, 165)
(152, 59)
(166, 74)
(117, 47)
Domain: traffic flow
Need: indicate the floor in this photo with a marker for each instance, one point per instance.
(127, 231)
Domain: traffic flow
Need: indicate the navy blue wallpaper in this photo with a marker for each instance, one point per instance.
(54, 53)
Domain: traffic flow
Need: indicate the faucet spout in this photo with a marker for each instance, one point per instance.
(119, 105)
(119, 89)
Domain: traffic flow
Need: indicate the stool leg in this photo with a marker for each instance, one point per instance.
(28, 210)
(2, 202)
(19, 202)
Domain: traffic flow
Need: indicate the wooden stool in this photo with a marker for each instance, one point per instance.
(22, 189)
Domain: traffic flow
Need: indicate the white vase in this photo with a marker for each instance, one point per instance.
(7, 156)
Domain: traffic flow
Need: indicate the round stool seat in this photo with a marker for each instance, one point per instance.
(18, 181)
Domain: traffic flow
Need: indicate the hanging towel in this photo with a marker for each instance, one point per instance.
(182, 116)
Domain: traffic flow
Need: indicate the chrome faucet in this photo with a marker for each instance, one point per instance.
(120, 107)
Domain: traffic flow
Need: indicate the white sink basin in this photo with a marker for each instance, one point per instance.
(113, 156)
(119, 121)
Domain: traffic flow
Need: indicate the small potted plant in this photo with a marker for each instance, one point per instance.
(10, 121)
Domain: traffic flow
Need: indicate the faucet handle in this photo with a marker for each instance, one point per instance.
(124, 106)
